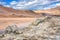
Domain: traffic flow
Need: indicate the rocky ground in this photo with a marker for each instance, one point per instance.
(47, 28)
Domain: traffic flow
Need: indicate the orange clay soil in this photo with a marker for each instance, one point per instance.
(4, 22)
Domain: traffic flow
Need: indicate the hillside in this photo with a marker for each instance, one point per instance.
(9, 12)
(9, 16)
(52, 11)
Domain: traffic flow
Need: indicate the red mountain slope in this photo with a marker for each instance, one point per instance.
(9, 12)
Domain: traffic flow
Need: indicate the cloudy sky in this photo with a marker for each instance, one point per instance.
(30, 4)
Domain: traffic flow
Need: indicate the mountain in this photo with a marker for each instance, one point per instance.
(9, 16)
(9, 12)
(52, 11)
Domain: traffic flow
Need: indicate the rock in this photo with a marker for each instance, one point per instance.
(47, 28)
(11, 28)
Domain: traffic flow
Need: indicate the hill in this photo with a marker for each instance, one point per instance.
(52, 11)
(9, 12)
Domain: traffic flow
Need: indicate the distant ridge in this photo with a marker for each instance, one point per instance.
(9, 12)
(52, 11)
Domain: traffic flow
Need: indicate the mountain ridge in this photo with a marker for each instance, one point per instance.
(9, 12)
(52, 11)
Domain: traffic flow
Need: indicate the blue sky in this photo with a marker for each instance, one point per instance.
(30, 4)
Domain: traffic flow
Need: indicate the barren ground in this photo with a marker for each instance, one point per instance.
(4, 22)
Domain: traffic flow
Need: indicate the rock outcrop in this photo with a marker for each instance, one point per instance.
(47, 28)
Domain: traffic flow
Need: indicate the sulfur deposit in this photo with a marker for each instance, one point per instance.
(47, 28)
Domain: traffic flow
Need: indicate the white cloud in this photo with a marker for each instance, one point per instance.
(52, 6)
(6, 5)
(29, 3)
(13, 3)
(58, 4)
(35, 4)
(26, 5)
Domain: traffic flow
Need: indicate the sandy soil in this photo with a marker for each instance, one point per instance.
(4, 22)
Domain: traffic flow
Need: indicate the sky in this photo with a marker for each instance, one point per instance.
(30, 4)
